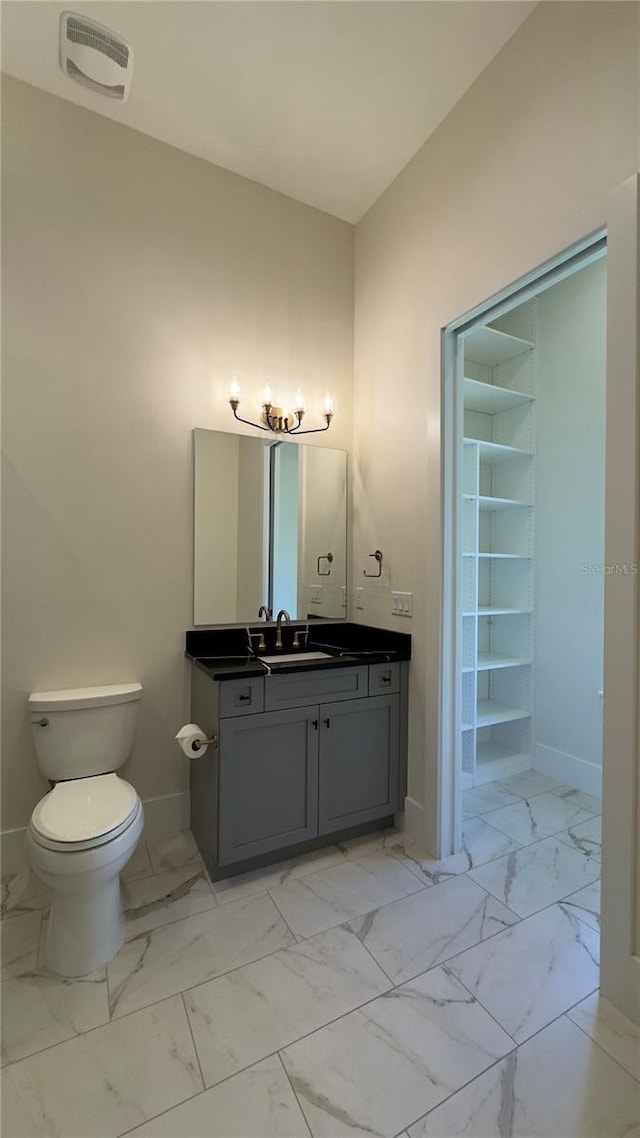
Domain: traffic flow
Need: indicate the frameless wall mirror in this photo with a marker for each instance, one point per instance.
(270, 526)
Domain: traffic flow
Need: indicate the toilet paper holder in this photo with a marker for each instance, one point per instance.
(192, 740)
(213, 740)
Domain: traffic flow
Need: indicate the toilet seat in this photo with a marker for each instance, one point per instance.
(83, 813)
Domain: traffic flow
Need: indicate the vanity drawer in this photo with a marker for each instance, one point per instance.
(297, 689)
(241, 697)
(384, 678)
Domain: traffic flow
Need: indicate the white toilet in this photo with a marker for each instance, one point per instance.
(83, 832)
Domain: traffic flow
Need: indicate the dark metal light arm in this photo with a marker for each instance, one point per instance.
(311, 430)
(234, 408)
(279, 424)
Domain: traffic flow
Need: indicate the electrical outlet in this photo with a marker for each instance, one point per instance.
(315, 597)
(360, 597)
(343, 600)
(402, 604)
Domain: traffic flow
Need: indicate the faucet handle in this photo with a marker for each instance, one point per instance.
(296, 639)
(261, 644)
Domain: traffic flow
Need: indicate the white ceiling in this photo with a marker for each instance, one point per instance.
(324, 101)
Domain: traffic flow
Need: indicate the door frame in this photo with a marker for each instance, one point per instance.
(618, 217)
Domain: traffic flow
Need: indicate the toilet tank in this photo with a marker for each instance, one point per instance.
(84, 731)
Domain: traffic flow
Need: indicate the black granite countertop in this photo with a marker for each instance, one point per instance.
(222, 653)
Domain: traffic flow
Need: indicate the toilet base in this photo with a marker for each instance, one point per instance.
(86, 923)
(84, 931)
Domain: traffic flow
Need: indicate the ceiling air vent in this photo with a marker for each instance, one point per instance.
(95, 57)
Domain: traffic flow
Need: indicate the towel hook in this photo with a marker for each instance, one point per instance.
(378, 557)
(324, 557)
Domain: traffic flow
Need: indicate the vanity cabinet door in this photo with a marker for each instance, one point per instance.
(268, 781)
(359, 750)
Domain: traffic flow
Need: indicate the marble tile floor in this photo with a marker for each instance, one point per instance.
(363, 989)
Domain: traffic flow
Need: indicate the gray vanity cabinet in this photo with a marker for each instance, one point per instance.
(359, 751)
(296, 757)
(268, 782)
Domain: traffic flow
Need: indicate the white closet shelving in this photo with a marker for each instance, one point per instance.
(497, 531)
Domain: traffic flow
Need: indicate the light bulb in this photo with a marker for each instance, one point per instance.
(235, 388)
(328, 405)
(267, 396)
(299, 401)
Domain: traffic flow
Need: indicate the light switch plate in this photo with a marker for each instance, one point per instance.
(360, 597)
(343, 601)
(315, 597)
(402, 604)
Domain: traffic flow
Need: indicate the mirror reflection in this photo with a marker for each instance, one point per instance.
(269, 529)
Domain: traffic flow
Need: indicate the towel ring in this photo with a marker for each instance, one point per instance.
(378, 557)
(325, 557)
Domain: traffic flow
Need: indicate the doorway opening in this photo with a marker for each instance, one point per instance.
(524, 404)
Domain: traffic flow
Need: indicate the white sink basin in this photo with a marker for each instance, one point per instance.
(295, 657)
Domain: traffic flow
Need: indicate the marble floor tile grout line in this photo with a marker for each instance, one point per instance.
(565, 901)
(293, 1090)
(453, 1093)
(272, 867)
(593, 1040)
(368, 950)
(195, 1048)
(407, 1127)
(198, 1094)
(282, 916)
(519, 917)
(307, 1034)
(478, 1001)
(444, 960)
(543, 1026)
(526, 845)
(358, 1007)
(414, 866)
(237, 968)
(516, 1047)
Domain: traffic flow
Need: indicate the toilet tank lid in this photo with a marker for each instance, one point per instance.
(73, 698)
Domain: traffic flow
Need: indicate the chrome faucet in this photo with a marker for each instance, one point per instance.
(287, 618)
(264, 611)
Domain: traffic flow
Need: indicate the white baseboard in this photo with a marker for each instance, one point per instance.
(166, 815)
(162, 816)
(568, 768)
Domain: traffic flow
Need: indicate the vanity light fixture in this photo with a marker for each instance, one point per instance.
(278, 420)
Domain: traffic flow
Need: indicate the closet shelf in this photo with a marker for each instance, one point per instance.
(496, 510)
(486, 502)
(490, 347)
(496, 610)
(496, 452)
(488, 660)
(490, 711)
(504, 556)
(500, 556)
(490, 399)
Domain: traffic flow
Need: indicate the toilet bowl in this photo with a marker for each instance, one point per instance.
(85, 830)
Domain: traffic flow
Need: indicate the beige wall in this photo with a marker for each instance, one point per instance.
(517, 171)
(136, 281)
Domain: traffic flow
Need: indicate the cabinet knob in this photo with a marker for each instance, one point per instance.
(315, 723)
(244, 699)
(386, 679)
(327, 722)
